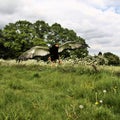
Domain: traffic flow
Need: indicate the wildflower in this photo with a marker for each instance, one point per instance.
(104, 91)
(96, 103)
(101, 101)
(81, 106)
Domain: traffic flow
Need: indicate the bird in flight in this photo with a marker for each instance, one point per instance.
(52, 53)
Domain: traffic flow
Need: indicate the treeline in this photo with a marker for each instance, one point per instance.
(20, 36)
(106, 58)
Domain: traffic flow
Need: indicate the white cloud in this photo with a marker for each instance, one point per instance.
(95, 20)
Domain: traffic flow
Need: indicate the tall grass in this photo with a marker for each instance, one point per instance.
(42, 92)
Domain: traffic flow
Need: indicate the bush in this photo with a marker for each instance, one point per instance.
(112, 58)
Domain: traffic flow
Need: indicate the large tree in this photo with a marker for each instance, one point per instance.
(18, 37)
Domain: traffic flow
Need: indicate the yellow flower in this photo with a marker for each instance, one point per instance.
(96, 103)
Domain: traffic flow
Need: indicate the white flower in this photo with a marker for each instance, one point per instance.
(101, 101)
(81, 106)
(104, 91)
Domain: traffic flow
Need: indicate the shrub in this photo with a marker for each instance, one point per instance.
(112, 58)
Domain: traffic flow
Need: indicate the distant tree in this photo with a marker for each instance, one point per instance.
(62, 35)
(19, 37)
(41, 29)
(100, 53)
(55, 33)
(112, 58)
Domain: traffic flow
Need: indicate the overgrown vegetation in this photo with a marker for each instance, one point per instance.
(112, 58)
(36, 91)
(105, 59)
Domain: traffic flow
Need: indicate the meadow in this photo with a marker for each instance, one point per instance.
(39, 91)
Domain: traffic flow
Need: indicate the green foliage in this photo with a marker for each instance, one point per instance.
(18, 37)
(112, 58)
(41, 30)
(98, 60)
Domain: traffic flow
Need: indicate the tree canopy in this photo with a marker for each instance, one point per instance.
(15, 38)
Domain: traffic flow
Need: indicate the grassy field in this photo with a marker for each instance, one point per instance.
(39, 91)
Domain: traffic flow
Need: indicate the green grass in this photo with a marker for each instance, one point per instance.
(42, 92)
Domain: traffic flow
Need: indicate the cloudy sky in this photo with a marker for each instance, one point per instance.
(97, 21)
